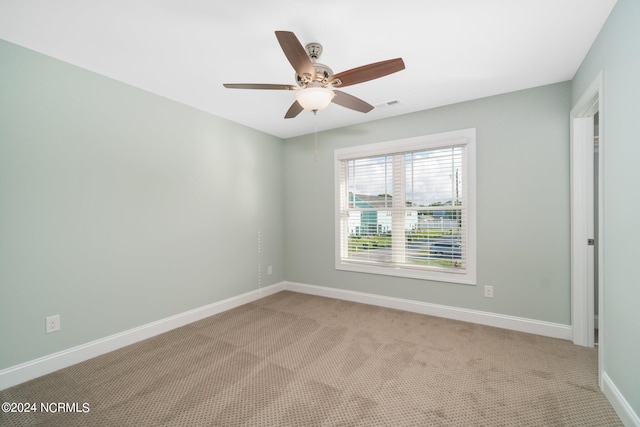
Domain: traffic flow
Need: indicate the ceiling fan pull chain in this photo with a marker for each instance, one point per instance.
(315, 137)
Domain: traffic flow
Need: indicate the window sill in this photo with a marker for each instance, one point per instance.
(464, 278)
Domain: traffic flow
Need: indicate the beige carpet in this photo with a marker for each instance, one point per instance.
(299, 360)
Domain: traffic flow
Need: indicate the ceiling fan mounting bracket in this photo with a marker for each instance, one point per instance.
(314, 50)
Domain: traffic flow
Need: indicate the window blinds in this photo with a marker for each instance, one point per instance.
(405, 209)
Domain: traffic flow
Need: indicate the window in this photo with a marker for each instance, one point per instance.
(407, 207)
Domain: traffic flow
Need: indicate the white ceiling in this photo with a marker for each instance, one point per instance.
(454, 50)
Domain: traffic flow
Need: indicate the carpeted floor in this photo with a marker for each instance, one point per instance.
(299, 360)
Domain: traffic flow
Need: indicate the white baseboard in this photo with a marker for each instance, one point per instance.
(44, 365)
(620, 405)
(538, 327)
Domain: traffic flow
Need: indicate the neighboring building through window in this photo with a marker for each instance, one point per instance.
(407, 207)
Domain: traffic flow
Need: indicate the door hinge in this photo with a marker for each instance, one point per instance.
(591, 242)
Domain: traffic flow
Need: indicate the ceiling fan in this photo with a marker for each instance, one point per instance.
(316, 83)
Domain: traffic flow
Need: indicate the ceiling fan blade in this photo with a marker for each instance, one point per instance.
(368, 72)
(351, 102)
(294, 110)
(259, 86)
(296, 54)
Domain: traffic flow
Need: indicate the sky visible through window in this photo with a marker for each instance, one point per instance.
(433, 177)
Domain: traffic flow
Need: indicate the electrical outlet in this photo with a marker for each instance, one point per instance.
(52, 323)
(488, 291)
(269, 271)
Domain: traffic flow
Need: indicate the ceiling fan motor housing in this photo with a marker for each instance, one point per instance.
(323, 72)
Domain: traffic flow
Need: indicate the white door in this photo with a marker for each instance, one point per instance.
(583, 238)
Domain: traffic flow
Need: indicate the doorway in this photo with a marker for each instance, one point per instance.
(587, 209)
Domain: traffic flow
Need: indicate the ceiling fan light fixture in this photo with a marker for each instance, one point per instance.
(314, 98)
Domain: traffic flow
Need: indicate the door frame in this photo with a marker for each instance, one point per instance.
(582, 211)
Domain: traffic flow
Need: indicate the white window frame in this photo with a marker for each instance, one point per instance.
(465, 138)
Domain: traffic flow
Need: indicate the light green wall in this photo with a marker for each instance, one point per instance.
(119, 207)
(616, 52)
(522, 204)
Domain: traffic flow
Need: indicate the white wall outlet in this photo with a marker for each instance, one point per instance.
(269, 270)
(488, 291)
(52, 323)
